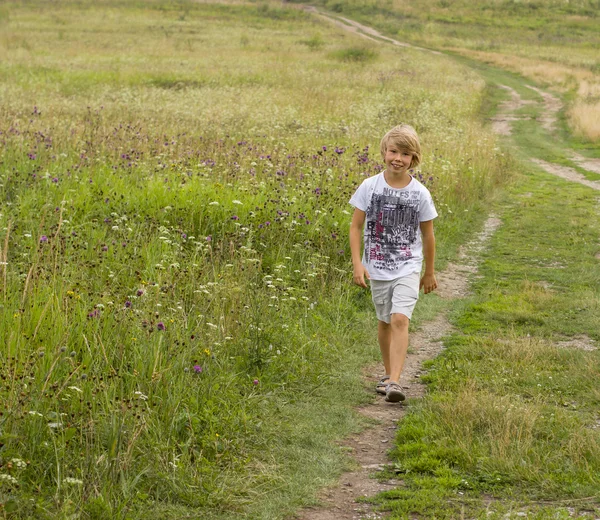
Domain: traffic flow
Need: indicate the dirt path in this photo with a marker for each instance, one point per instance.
(362, 30)
(369, 448)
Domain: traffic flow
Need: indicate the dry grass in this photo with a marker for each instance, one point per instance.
(585, 117)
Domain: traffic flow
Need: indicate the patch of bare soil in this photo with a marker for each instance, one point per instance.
(501, 122)
(591, 165)
(369, 448)
(567, 173)
(579, 342)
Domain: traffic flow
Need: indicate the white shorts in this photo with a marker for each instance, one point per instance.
(397, 296)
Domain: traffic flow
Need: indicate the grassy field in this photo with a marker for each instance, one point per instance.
(180, 334)
(552, 42)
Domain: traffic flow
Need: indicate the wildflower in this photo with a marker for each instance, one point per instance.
(18, 463)
(55, 180)
(207, 351)
(139, 292)
(237, 202)
(235, 217)
(255, 382)
(160, 325)
(213, 203)
(197, 369)
(128, 304)
(43, 238)
(8, 478)
(72, 481)
(184, 236)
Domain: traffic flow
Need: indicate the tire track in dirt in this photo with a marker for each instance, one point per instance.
(501, 125)
(369, 448)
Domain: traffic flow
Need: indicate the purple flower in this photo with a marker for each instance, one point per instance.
(160, 325)
(208, 238)
(235, 217)
(255, 382)
(324, 148)
(55, 180)
(128, 304)
(94, 314)
(183, 235)
(104, 248)
(140, 292)
(197, 369)
(43, 238)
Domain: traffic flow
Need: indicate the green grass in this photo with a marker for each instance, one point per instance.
(181, 335)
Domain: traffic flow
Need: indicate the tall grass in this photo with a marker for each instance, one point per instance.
(174, 258)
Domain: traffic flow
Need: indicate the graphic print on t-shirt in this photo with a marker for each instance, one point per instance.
(392, 227)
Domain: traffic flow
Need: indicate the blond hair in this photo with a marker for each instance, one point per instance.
(405, 138)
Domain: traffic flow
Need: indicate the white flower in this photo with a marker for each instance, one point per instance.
(213, 203)
(237, 202)
(8, 478)
(74, 388)
(19, 463)
(33, 412)
(212, 325)
(72, 481)
(141, 396)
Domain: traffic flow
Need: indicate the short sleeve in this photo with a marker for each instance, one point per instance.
(427, 209)
(360, 198)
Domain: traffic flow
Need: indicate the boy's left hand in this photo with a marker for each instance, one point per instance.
(428, 283)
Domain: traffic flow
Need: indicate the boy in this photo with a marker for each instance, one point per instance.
(398, 234)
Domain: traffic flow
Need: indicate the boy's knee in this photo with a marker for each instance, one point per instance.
(399, 320)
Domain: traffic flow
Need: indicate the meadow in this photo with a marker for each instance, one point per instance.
(180, 333)
(551, 42)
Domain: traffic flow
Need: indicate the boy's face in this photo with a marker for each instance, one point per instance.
(397, 161)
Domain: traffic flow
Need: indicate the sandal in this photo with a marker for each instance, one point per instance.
(380, 387)
(393, 393)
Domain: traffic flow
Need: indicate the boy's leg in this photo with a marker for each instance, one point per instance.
(398, 345)
(384, 336)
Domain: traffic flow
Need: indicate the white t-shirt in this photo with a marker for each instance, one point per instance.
(392, 236)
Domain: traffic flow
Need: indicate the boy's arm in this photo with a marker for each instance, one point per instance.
(428, 281)
(356, 231)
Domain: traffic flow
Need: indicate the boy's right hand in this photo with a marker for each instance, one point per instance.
(359, 274)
